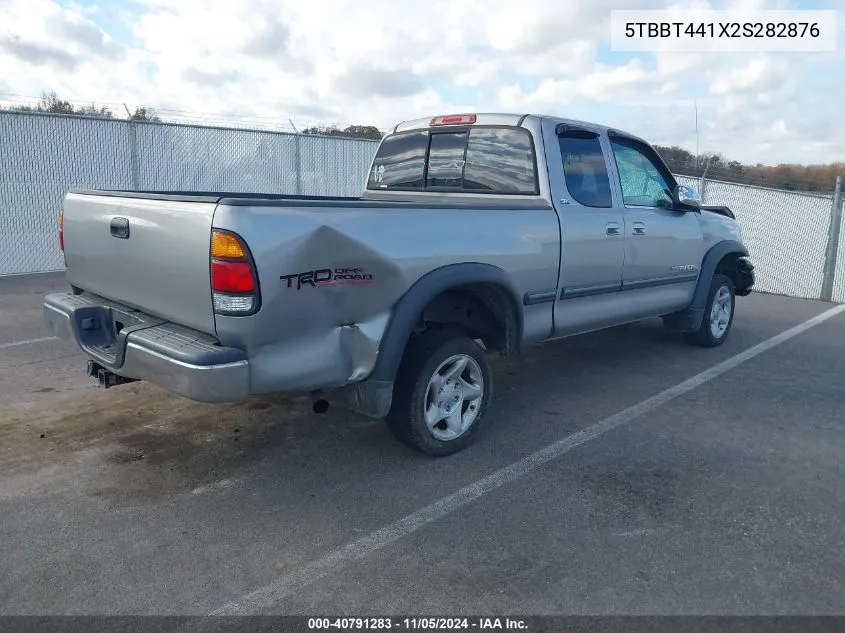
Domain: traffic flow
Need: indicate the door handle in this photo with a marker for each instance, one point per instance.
(639, 228)
(612, 228)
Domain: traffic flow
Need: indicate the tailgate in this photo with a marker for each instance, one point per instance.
(160, 265)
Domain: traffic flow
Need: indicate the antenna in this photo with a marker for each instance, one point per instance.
(697, 159)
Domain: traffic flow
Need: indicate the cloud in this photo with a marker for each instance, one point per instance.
(39, 54)
(379, 61)
(212, 79)
(69, 26)
(44, 33)
(758, 75)
(602, 84)
(270, 40)
(380, 82)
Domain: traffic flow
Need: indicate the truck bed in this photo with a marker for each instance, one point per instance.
(231, 198)
(203, 196)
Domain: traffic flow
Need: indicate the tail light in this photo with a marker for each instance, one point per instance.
(454, 119)
(62, 230)
(234, 283)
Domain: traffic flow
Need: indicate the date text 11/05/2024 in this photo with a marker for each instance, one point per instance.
(419, 624)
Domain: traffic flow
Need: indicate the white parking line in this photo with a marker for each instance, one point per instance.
(255, 601)
(29, 342)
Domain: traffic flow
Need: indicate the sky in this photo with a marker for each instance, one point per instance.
(376, 62)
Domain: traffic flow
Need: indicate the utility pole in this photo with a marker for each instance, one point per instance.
(297, 157)
(832, 242)
(134, 164)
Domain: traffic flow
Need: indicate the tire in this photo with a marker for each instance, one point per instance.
(714, 330)
(452, 426)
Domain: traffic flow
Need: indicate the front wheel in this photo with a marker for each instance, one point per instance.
(441, 394)
(718, 314)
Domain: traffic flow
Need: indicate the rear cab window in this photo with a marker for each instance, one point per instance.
(477, 159)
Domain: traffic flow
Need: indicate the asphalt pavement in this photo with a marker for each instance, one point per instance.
(670, 484)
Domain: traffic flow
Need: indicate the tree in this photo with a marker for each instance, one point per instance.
(675, 154)
(49, 102)
(352, 131)
(143, 113)
(92, 110)
(715, 159)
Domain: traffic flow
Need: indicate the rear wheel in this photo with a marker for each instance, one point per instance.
(441, 392)
(718, 314)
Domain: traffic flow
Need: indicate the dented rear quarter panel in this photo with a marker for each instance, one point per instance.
(328, 336)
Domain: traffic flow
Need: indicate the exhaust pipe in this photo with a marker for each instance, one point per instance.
(318, 403)
(106, 378)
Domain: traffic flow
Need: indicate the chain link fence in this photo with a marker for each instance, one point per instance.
(793, 242)
(42, 156)
(787, 235)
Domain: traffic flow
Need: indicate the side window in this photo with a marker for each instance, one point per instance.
(642, 182)
(584, 168)
(500, 160)
(400, 162)
(446, 160)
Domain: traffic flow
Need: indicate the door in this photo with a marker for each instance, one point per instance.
(663, 245)
(592, 230)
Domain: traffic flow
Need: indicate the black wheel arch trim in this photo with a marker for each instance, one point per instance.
(407, 310)
(708, 269)
(689, 320)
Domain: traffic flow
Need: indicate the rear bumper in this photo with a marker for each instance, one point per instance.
(132, 344)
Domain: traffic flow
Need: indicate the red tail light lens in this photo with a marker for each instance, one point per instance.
(234, 285)
(62, 230)
(231, 277)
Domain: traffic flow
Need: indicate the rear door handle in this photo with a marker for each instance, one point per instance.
(612, 228)
(639, 228)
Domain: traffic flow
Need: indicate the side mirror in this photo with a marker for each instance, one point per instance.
(687, 197)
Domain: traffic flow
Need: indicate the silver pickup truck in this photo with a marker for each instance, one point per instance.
(475, 234)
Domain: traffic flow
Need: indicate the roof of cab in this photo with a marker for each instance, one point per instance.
(486, 118)
(511, 119)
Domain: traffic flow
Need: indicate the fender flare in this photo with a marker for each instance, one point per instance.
(689, 320)
(708, 269)
(409, 307)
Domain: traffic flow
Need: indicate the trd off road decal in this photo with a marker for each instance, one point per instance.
(328, 277)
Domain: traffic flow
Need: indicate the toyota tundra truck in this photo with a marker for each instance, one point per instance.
(475, 234)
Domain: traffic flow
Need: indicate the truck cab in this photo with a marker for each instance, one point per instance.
(632, 240)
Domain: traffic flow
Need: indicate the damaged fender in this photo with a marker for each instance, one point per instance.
(373, 396)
